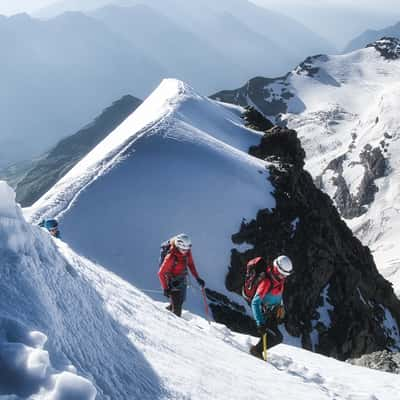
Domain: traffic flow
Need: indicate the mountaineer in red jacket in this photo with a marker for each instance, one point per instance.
(174, 269)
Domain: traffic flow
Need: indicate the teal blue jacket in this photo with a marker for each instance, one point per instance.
(257, 303)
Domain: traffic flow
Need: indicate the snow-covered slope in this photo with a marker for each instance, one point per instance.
(105, 336)
(179, 163)
(345, 110)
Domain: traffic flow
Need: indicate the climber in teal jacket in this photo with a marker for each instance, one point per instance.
(270, 290)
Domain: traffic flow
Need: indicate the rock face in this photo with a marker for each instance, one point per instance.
(337, 302)
(349, 204)
(269, 96)
(308, 67)
(389, 47)
(381, 360)
(68, 152)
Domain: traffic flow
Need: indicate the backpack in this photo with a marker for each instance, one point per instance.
(255, 272)
(164, 250)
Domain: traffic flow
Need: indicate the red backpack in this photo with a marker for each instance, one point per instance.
(256, 270)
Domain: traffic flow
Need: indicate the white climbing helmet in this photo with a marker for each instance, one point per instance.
(283, 265)
(183, 242)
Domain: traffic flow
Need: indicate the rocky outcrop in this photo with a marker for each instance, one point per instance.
(337, 302)
(68, 152)
(254, 120)
(388, 47)
(269, 96)
(355, 204)
(381, 360)
(307, 66)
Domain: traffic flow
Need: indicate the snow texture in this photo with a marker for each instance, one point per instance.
(28, 370)
(102, 330)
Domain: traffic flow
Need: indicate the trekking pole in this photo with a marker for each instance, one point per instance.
(206, 305)
(264, 339)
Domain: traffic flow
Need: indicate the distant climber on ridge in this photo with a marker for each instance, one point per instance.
(175, 259)
(264, 287)
(52, 226)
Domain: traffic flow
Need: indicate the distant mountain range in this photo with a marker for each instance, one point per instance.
(336, 21)
(58, 73)
(371, 35)
(36, 178)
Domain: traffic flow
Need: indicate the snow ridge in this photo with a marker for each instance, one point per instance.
(109, 152)
(179, 163)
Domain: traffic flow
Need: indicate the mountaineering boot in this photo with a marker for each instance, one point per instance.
(169, 307)
(256, 352)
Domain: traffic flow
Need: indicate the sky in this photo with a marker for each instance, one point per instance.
(339, 21)
(13, 6)
(372, 4)
(8, 7)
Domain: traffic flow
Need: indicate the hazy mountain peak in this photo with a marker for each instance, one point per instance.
(16, 20)
(372, 35)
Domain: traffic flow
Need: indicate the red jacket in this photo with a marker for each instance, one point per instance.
(271, 285)
(174, 264)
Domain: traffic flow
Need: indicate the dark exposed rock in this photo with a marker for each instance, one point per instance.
(388, 47)
(68, 152)
(232, 314)
(280, 143)
(381, 360)
(336, 293)
(257, 92)
(307, 66)
(353, 205)
(255, 120)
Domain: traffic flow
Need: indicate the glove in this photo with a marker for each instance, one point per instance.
(167, 292)
(201, 282)
(280, 313)
(261, 329)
